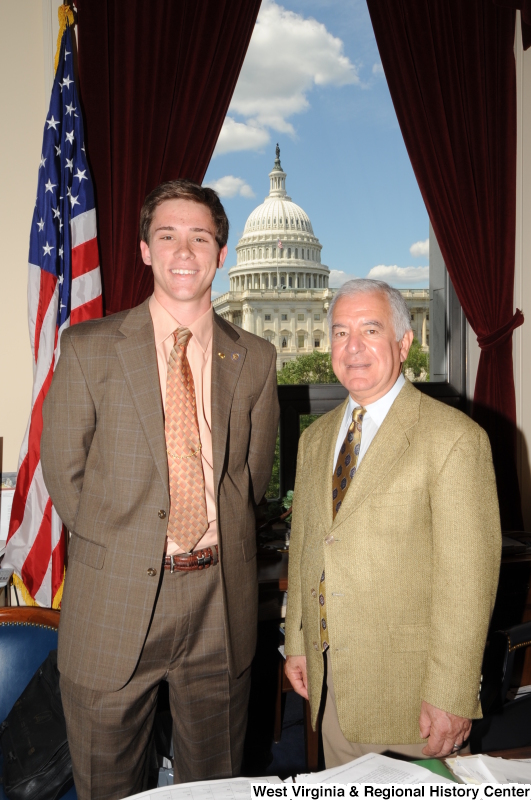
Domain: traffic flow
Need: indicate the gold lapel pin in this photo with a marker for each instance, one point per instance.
(221, 355)
(235, 356)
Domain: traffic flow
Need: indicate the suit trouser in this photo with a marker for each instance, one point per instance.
(109, 732)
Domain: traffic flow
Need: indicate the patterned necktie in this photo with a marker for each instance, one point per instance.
(347, 462)
(188, 516)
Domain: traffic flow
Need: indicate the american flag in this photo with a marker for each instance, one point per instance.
(279, 245)
(64, 287)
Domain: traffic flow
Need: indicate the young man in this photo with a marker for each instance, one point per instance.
(159, 434)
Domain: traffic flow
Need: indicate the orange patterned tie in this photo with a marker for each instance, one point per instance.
(188, 516)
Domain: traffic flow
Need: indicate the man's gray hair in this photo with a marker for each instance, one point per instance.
(399, 309)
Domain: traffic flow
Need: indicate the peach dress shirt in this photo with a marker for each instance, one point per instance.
(199, 354)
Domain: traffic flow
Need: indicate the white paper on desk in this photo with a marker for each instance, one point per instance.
(506, 770)
(487, 769)
(231, 789)
(374, 768)
(470, 769)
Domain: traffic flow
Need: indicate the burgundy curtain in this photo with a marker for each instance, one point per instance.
(451, 73)
(156, 79)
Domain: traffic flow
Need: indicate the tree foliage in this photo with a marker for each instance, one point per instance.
(418, 361)
(313, 368)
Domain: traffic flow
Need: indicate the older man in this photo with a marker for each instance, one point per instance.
(159, 434)
(395, 549)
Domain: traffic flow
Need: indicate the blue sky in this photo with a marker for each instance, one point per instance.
(312, 80)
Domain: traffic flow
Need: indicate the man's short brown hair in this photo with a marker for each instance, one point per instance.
(185, 190)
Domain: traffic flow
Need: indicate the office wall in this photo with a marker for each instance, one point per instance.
(21, 126)
(522, 299)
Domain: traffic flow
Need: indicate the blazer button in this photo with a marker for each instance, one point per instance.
(313, 593)
(162, 514)
(315, 646)
(152, 572)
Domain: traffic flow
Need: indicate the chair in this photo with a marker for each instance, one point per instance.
(506, 723)
(26, 637)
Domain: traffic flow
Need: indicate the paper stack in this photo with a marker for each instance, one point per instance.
(374, 768)
(486, 769)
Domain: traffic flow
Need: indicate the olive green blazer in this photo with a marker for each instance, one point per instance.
(411, 560)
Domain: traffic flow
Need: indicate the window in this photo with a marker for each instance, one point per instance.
(289, 252)
(267, 317)
(284, 343)
(296, 252)
(317, 317)
(284, 317)
(300, 341)
(300, 317)
(316, 343)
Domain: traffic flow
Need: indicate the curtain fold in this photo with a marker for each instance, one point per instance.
(451, 73)
(156, 80)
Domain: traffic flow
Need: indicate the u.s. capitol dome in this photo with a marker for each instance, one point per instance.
(279, 287)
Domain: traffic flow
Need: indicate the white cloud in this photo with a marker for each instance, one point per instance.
(377, 69)
(403, 275)
(214, 294)
(338, 278)
(420, 248)
(229, 186)
(288, 56)
(236, 136)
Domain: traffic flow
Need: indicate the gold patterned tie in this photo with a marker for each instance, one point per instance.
(347, 460)
(347, 463)
(188, 515)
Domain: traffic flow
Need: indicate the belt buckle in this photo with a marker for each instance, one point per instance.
(204, 561)
(172, 565)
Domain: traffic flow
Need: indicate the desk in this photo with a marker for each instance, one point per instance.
(516, 752)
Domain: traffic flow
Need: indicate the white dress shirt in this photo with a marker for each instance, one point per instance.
(376, 413)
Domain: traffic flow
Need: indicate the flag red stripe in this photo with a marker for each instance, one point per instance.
(31, 461)
(58, 562)
(91, 310)
(85, 258)
(36, 563)
(48, 284)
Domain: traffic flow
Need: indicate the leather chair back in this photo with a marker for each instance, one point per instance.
(26, 637)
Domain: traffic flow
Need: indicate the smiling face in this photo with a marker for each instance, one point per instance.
(184, 256)
(366, 357)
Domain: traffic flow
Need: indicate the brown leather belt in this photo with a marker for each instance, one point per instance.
(186, 562)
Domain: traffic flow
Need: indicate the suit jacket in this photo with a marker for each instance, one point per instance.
(411, 561)
(104, 460)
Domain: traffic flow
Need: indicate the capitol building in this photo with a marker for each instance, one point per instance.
(279, 289)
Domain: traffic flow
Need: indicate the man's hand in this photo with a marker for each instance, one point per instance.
(443, 729)
(295, 669)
